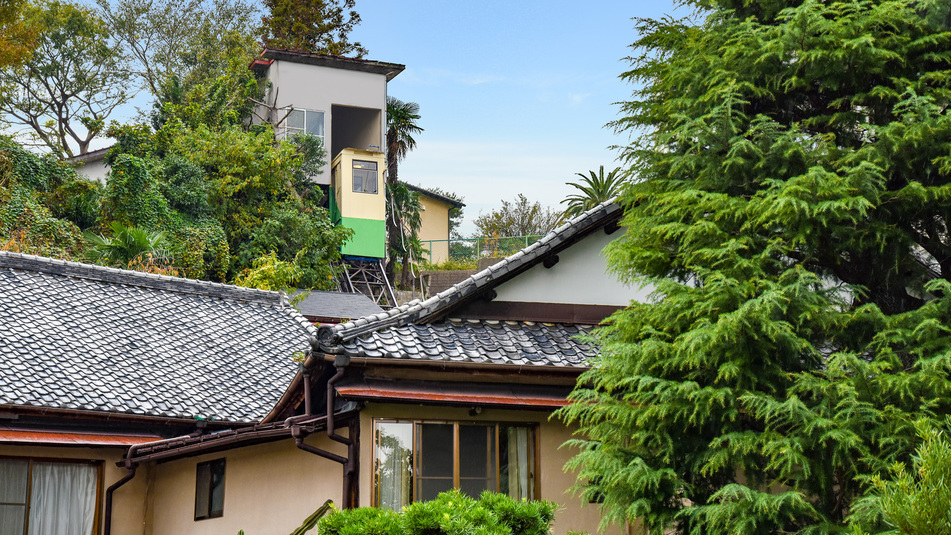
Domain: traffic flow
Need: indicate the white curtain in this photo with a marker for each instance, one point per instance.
(394, 471)
(520, 463)
(13, 478)
(63, 499)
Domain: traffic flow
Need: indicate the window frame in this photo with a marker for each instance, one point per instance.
(363, 184)
(415, 422)
(209, 491)
(97, 463)
(285, 131)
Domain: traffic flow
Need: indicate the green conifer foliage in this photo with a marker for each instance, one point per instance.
(792, 218)
(321, 26)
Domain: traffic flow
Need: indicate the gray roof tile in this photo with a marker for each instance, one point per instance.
(336, 305)
(101, 339)
(518, 343)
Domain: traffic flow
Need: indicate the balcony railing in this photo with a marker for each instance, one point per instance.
(465, 250)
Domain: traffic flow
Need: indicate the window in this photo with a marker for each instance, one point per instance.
(303, 121)
(418, 460)
(364, 176)
(210, 490)
(54, 497)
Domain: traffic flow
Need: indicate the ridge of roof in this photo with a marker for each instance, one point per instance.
(434, 195)
(330, 337)
(125, 277)
(97, 154)
(327, 60)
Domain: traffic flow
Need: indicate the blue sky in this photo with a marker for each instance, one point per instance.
(514, 95)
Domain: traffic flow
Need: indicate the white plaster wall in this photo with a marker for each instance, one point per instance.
(580, 277)
(318, 88)
(94, 170)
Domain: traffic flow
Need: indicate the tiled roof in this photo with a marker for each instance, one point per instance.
(441, 304)
(478, 341)
(76, 336)
(337, 305)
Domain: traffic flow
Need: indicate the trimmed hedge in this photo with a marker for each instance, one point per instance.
(451, 513)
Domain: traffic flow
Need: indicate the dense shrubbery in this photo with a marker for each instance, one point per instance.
(41, 203)
(224, 195)
(451, 513)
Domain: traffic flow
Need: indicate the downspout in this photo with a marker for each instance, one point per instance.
(305, 372)
(107, 527)
(340, 362)
(350, 462)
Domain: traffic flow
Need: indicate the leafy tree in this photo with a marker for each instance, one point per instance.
(791, 216)
(133, 195)
(593, 189)
(72, 82)
(305, 238)
(519, 218)
(268, 272)
(17, 36)
(321, 26)
(34, 215)
(190, 41)
(232, 194)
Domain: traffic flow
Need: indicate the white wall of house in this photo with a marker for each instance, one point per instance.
(320, 88)
(94, 169)
(580, 277)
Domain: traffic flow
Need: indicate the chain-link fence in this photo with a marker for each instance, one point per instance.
(470, 250)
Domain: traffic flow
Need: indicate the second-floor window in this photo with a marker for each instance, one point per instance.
(364, 177)
(302, 121)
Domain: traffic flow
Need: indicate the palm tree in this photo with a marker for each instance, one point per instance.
(127, 245)
(401, 125)
(594, 190)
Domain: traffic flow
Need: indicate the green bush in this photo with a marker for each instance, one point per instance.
(451, 513)
(362, 521)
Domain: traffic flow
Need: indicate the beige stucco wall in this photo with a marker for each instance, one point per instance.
(355, 204)
(129, 501)
(434, 226)
(269, 489)
(574, 514)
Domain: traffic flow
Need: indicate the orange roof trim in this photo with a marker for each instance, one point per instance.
(488, 396)
(55, 438)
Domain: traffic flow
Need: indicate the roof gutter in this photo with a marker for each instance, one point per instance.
(350, 462)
